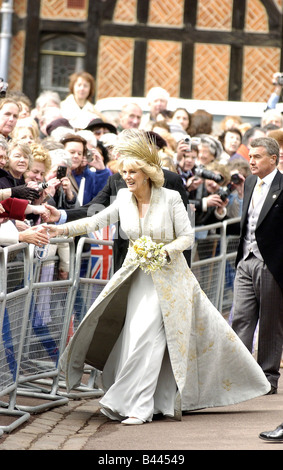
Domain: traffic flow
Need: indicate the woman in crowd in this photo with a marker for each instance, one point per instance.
(209, 149)
(181, 117)
(159, 352)
(231, 140)
(201, 123)
(19, 161)
(77, 107)
(9, 114)
(8, 231)
(85, 183)
(57, 192)
(230, 122)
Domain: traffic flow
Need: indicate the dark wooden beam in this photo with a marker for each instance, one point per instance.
(66, 27)
(139, 68)
(192, 35)
(238, 14)
(187, 71)
(140, 52)
(190, 12)
(142, 11)
(281, 56)
(236, 52)
(273, 14)
(235, 74)
(32, 47)
(187, 58)
(92, 36)
(107, 8)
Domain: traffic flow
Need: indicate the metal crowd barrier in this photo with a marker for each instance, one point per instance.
(39, 313)
(14, 297)
(213, 262)
(88, 287)
(50, 307)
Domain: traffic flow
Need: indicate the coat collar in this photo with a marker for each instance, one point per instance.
(134, 213)
(273, 193)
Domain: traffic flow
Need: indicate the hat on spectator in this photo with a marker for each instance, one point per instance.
(215, 146)
(100, 123)
(60, 122)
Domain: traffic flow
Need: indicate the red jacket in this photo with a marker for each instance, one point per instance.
(14, 208)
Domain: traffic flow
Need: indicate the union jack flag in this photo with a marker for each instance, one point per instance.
(102, 255)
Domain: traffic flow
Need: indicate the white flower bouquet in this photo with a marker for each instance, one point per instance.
(147, 255)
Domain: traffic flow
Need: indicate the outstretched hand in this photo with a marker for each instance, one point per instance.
(35, 235)
(52, 230)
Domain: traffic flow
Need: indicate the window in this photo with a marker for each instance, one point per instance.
(60, 56)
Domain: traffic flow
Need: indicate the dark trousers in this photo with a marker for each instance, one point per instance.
(258, 299)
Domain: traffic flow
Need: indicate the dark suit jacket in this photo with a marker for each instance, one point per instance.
(269, 229)
(106, 196)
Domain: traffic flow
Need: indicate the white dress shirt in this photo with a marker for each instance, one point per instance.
(256, 203)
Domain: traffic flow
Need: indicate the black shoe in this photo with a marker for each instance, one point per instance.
(273, 436)
(272, 391)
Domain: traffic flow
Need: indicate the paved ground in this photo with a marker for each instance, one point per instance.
(78, 425)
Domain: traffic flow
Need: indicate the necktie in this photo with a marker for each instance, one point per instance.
(257, 193)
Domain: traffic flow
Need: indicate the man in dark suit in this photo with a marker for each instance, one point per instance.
(258, 288)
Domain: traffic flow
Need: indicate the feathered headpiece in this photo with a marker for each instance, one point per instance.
(137, 144)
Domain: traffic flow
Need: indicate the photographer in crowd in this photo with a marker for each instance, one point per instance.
(186, 158)
(212, 194)
(64, 197)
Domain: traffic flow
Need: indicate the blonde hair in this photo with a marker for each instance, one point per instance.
(167, 159)
(155, 174)
(40, 154)
(26, 123)
(137, 150)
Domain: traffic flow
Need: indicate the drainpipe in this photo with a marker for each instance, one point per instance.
(5, 37)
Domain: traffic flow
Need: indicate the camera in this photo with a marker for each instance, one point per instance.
(3, 88)
(224, 193)
(42, 186)
(192, 141)
(235, 178)
(61, 172)
(208, 175)
(89, 156)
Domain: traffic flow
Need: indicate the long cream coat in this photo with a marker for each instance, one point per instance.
(211, 365)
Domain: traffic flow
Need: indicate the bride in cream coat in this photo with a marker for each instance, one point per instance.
(161, 344)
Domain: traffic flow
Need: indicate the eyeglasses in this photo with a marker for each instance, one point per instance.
(3, 157)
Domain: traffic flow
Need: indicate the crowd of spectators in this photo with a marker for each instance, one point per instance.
(63, 149)
(60, 152)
